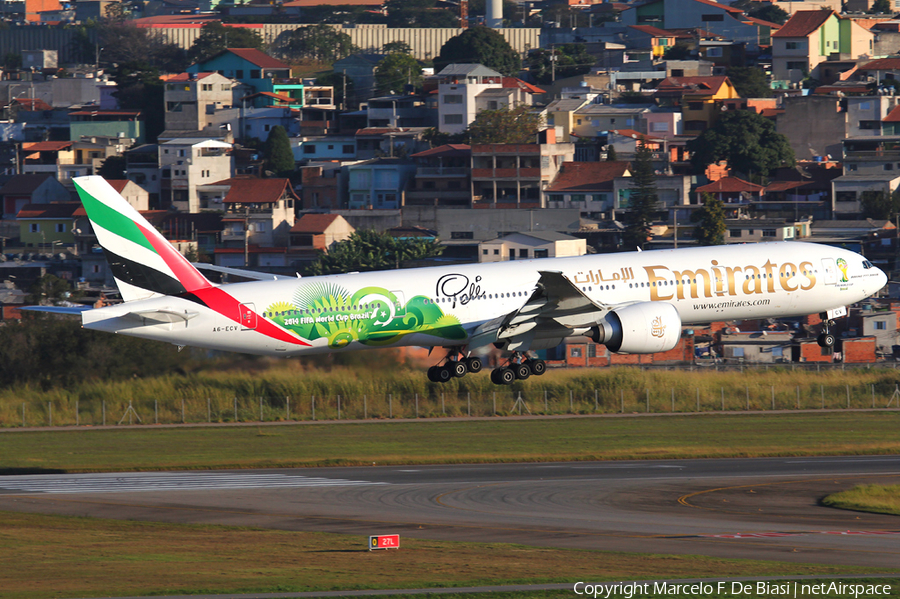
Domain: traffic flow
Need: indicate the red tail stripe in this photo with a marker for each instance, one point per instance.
(189, 276)
(229, 307)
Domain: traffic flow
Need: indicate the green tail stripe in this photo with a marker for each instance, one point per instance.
(112, 221)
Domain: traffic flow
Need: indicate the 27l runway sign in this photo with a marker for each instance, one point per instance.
(384, 542)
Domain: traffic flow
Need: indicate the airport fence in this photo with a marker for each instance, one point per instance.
(533, 400)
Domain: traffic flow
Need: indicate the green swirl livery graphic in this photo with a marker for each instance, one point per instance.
(372, 316)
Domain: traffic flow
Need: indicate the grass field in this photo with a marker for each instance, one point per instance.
(436, 441)
(382, 389)
(882, 499)
(56, 556)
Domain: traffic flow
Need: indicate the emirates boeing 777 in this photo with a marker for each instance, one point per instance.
(634, 302)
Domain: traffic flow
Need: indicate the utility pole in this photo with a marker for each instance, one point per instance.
(246, 236)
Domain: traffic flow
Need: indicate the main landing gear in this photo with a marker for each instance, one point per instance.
(826, 339)
(519, 367)
(454, 366)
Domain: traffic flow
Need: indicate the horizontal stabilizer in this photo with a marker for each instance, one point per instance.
(76, 310)
(239, 272)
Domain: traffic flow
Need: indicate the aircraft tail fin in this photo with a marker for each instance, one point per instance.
(144, 264)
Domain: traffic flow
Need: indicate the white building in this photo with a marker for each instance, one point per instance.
(185, 163)
(458, 89)
(534, 244)
(192, 100)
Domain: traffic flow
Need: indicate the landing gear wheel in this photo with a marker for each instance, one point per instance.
(474, 364)
(522, 371)
(444, 374)
(503, 376)
(433, 374)
(538, 367)
(826, 340)
(458, 369)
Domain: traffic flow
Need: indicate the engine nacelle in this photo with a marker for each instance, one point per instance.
(644, 328)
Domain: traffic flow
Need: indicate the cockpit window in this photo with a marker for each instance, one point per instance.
(867, 264)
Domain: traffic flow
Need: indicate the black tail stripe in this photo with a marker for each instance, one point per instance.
(139, 275)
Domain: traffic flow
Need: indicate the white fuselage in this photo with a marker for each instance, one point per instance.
(442, 306)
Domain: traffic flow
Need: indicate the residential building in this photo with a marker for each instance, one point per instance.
(442, 178)
(31, 189)
(106, 123)
(314, 233)
(142, 167)
(379, 183)
(134, 194)
(319, 186)
(318, 148)
(399, 111)
(594, 120)
(756, 230)
(731, 190)
(251, 67)
(192, 99)
(359, 68)
(54, 157)
(586, 186)
(458, 86)
(185, 164)
(48, 225)
(390, 142)
(560, 114)
(714, 18)
(533, 244)
(810, 37)
(516, 175)
(258, 212)
(701, 99)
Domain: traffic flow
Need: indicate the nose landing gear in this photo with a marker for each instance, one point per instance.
(826, 339)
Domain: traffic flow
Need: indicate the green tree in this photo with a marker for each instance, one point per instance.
(771, 13)
(880, 205)
(419, 13)
(750, 82)
(680, 51)
(319, 42)
(747, 141)
(479, 45)
(112, 168)
(643, 201)
(396, 48)
(277, 151)
(139, 88)
(611, 154)
(12, 61)
(215, 37)
(49, 290)
(571, 60)
(517, 125)
(396, 70)
(337, 15)
(368, 250)
(710, 220)
(881, 7)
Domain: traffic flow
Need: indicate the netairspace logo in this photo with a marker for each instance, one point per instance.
(793, 589)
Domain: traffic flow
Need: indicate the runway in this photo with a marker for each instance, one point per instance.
(741, 508)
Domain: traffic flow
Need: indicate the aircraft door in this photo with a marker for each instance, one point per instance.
(829, 271)
(248, 317)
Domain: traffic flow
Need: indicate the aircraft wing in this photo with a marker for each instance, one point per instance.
(554, 310)
(239, 272)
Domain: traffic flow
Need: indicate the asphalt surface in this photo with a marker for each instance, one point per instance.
(740, 508)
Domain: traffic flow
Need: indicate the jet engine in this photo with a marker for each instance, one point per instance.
(644, 328)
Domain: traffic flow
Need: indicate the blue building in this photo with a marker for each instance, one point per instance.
(251, 67)
(379, 183)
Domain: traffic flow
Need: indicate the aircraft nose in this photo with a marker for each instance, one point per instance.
(882, 279)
